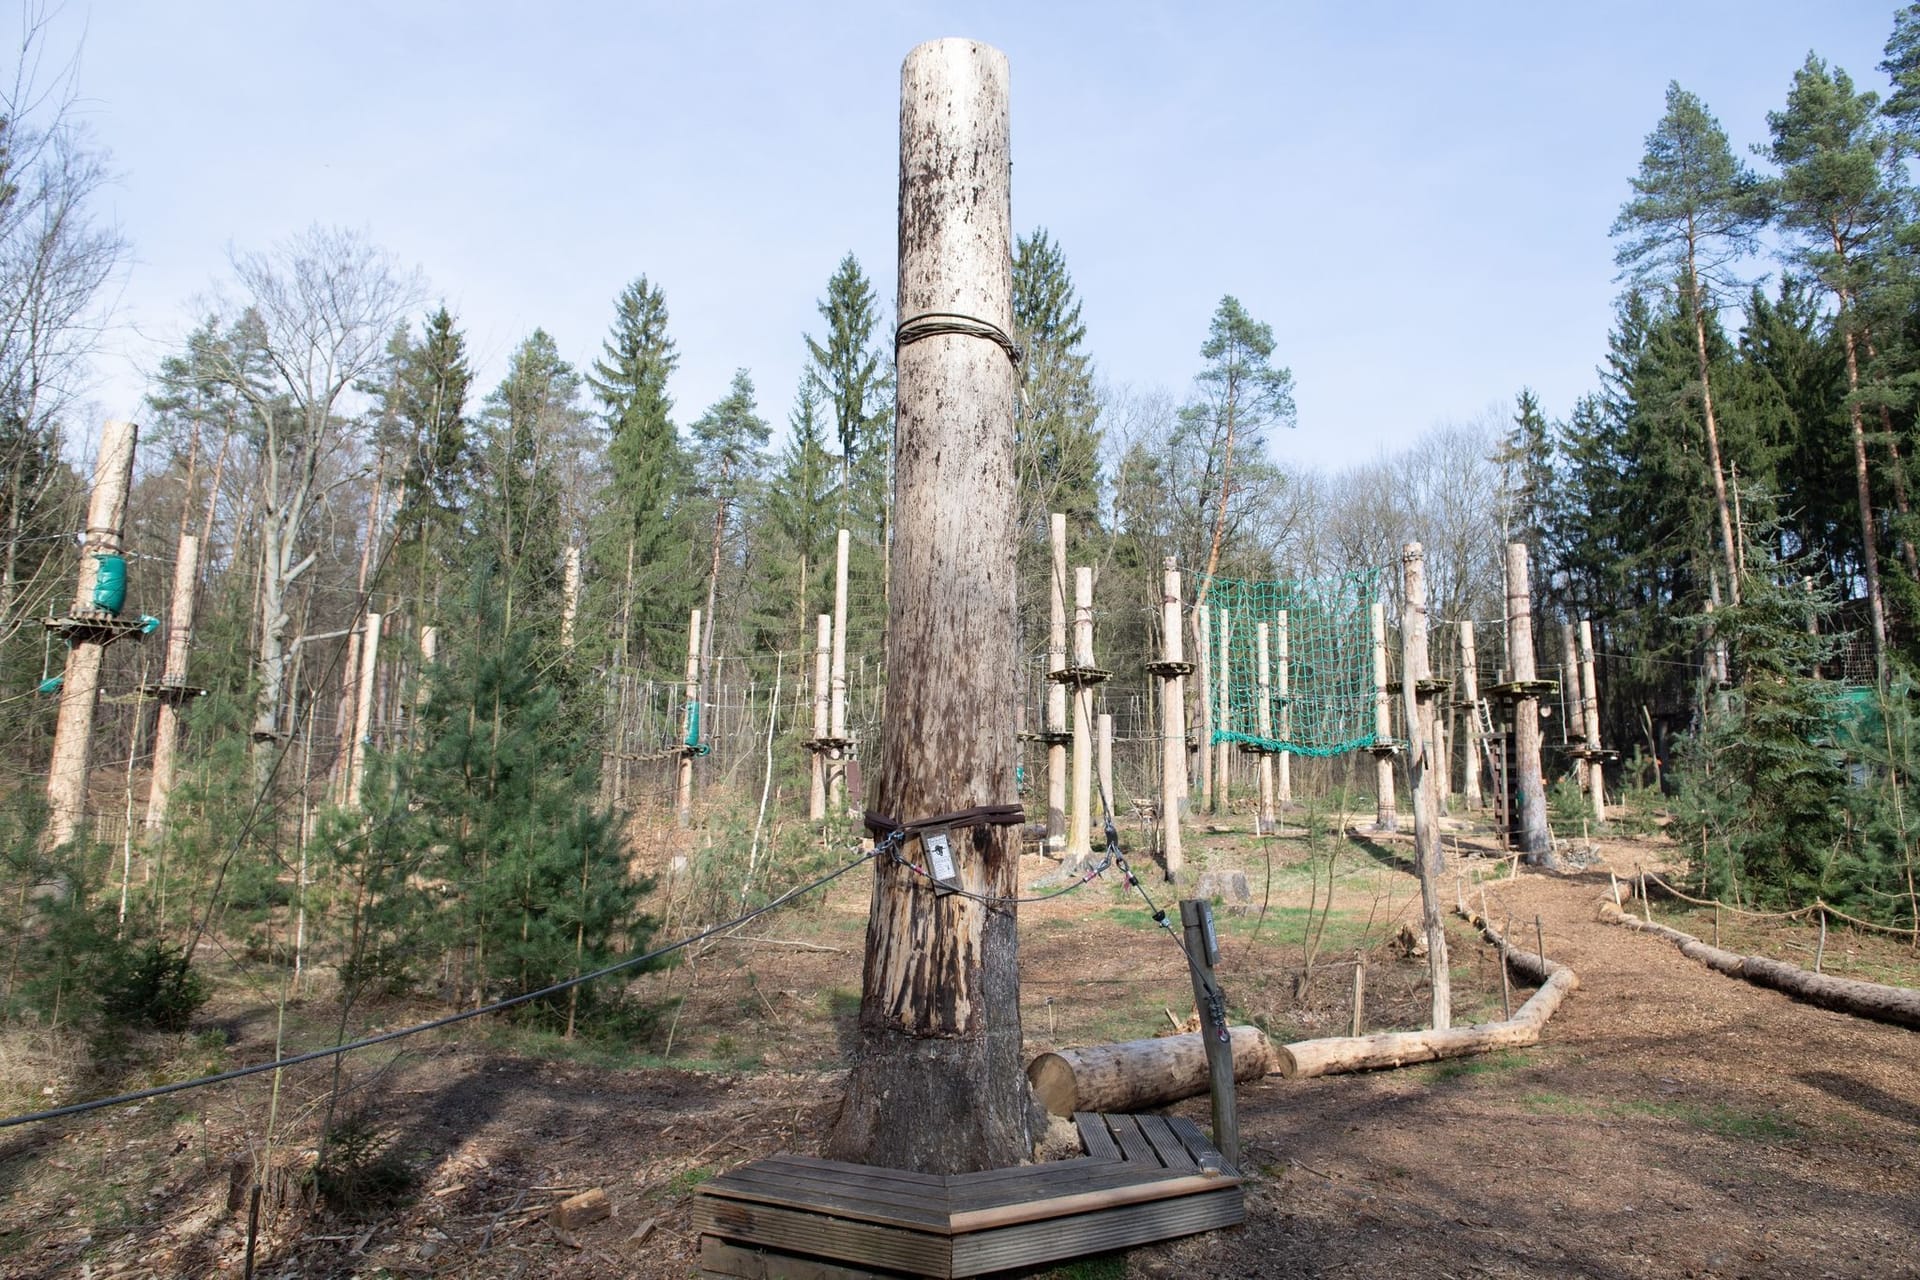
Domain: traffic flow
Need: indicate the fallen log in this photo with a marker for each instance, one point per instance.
(1307, 1058)
(1136, 1075)
(1898, 1005)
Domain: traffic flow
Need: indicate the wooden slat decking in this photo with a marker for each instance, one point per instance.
(1144, 1178)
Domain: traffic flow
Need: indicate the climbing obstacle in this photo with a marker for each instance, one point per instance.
(1143, 1178)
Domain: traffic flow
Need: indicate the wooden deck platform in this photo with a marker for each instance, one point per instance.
(1144, 1178)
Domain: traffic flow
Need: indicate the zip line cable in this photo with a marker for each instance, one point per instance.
(335, 1051)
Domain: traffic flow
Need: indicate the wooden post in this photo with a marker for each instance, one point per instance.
(1103, 758)
(173, 681)
(1415, 673)
(690, 723)
(1282, 684)
(837, 682)
(1173, 723)
(1203, 645)
(1470, 695)
(937, 1084)
(1386, 816)
(363, 710)
(1572, 730)
(1535, 839)
(1590, 722)
(1080, 818)
(80, 687)
(822, 721)
(1359, 993)
(1057, 725)
(570, 598)
(1197, 917)
(1223, 714)
(1263, 725)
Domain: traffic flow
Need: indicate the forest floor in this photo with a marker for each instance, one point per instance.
(1672, 1122)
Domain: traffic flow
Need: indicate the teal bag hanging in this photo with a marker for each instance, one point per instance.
(110, 584)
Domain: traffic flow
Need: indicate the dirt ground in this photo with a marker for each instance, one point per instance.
(1672, 1122)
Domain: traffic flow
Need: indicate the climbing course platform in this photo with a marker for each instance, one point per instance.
(1144, 1178)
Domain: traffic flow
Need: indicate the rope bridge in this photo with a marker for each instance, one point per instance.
(1319, 681)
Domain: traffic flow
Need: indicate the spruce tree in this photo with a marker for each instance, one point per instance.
(849, 369)
(729, 440)
(642, 546)
(799, 508)
(422, 404)
(1057, 432)
(520, 536)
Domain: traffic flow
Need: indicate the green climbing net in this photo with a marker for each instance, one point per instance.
(1326, 707)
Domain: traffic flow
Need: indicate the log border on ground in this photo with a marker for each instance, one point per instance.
(1878, 1001)
(1335, 1055)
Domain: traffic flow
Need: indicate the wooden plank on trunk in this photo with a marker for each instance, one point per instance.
(1030, 1244)
(1085, 1202)
(1134, 1146)
(798, 1231)
(1102, 1177)
(917, 1209)
(719, 1258)
(1094, 1136)
(1171, 1152)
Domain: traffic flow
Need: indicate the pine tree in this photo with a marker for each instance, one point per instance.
(728, 442)
(1525, 460)
(520, 533)
(1694, 213)
(1832, 195)
(1240, 395)
(799, 508)
(503, 794)
(422, 402)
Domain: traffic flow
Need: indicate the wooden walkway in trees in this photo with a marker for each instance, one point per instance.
(1144, 1178)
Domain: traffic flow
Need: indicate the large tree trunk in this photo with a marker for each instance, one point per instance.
(173, 679)
(1718, 472)
(1530, 788)
(937, 1084)
(80, 689)
(1137, 1075)
(1414, 673)
(1863, 488)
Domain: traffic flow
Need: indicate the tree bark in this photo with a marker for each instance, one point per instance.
(80, 689)
(1536, 838)
(1863, 488)
(1727, 542)
(1136, 1075)
(173, 677)
(1470, 694)
(1057, 692)
(1420, 777)
(1173, 725)
(936, 1084)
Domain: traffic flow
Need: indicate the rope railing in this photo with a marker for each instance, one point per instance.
(1817, 906)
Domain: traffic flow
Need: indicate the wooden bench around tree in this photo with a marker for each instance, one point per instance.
(1144, 1178)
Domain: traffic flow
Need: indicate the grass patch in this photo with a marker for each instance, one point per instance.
(1484, 1064)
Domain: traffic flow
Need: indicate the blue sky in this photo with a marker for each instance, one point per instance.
(1415, 196)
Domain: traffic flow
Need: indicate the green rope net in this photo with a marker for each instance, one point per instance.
(1319, 684)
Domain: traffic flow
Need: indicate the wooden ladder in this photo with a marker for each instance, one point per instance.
(1496, 759)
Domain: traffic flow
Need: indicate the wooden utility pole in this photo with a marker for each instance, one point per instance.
(1196, 919)
(690, 736)
(837, 683)
(1418, 690)
(1572, 729)
(1058, 735)
(1590, 722)
(1103, 757)
(1172, 670)
(1203, 645)
(172, 690)
(89, 627)
(1282, 683)
(1263, 724)
(936, 1084)
(1386, 816)
(1470, 703)
(1223, 712)
(1080, 679)
(822, 716)
(363, 710)
(1534, 838)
